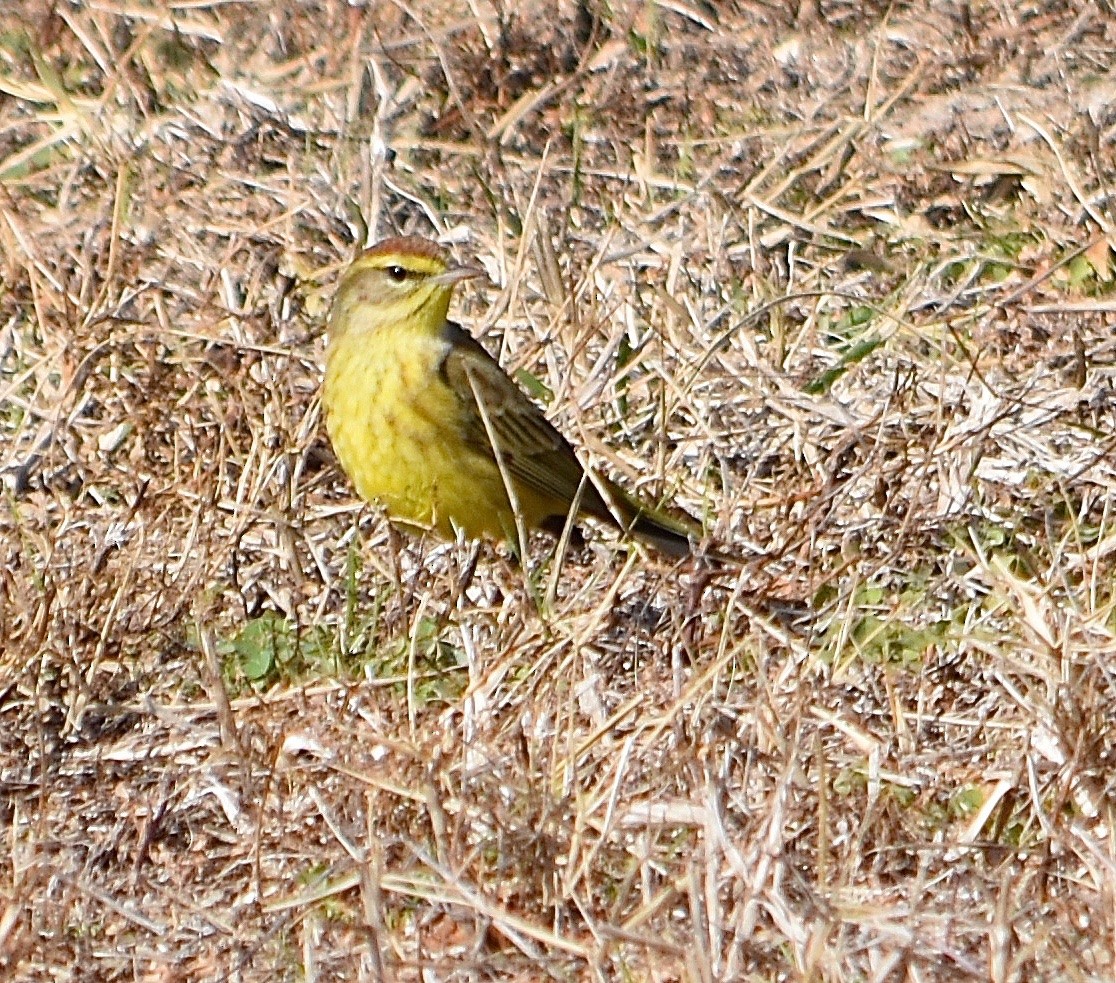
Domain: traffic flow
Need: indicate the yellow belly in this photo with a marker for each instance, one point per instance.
(394, 425)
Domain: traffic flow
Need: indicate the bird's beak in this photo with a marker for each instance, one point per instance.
(458, 273)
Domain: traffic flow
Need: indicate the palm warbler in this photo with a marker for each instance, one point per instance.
(425, 422)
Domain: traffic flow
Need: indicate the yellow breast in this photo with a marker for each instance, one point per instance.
(395, 426)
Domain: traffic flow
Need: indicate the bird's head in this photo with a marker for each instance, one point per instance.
(404, 278)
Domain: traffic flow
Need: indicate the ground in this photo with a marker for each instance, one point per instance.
(835, 278)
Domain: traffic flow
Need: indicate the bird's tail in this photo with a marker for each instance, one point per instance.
(673, 535)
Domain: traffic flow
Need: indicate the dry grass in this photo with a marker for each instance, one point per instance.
(845, 296)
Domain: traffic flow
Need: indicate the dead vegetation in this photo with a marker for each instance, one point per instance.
(843, 295)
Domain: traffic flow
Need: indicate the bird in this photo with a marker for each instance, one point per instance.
(426, 423)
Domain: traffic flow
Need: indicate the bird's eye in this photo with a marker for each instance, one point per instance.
(397, 273)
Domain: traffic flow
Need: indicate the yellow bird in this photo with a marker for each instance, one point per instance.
(426, 423)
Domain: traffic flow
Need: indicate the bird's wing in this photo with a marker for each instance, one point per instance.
(532, 450)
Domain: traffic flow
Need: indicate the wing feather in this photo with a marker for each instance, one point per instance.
(535, 454)
(532, 450)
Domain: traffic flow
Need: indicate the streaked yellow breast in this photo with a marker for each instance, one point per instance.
(394, 424)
